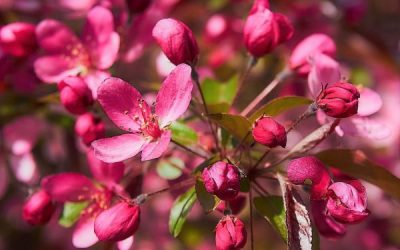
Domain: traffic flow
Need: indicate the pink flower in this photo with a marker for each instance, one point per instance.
(222, 179)
(18, 39)
(339, 100)
(66, 54)
(327, 226)
(118, 222)
(264, 30)
(268, 132)
(38, 209)
(230, 234)
(148, 131)
(89, 128)
(75, 95)
(316, 43)
(176, 41)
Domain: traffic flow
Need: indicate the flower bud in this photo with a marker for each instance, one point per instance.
(339, 100)
(38, 209)
(89, 128)
(137, 6)
(268, 132)
(222, 179)
(236, 205)
(230, 234)
(347, 202)
(316, 43)
(176, 41)
(75, 95)
(18, 39)
(118, 222)
(265, 30)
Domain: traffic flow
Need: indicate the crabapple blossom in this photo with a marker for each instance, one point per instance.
(75, 95)
(38, 209)
(18, 39)
(230, 234)
(268, 132)
(89, 128)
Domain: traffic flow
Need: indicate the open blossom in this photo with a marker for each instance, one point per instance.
(176, 41)
(118, 222)
(75, 95)
(148, 131)
(18, 39)
(269, 132)
(230, 234)
(264, 30)
(66, 54)
(38, 209)
(222, 179)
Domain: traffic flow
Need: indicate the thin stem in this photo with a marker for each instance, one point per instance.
(261, 158)
(189, 150)
(251, 219)
(309, 112)
(252, 61)
(260, 187)
(178, 185)
(278, 79)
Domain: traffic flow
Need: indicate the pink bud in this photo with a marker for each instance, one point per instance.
(230, 234)
(316, 43)
(18, 39)
(38, 209)
(118, 222)
(264, 30)
(339, 100)
(89, 128)
(347, 202)
(176, 41)
(137, 6)
(222, 179)
(236, 204)
(75, 95)
(259, 5)
(311, 169)
(269, 132)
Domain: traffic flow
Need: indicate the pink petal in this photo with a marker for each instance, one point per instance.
(118, 148)
(326, 225)
(365, 127)
(125, 244)
(72, 187)
(55, 37)
(99, 37)
(324, 71)
(175, 94)
(25, 168)
(369, 103)
(107, 173)
(83, 235)
(155, 149)
(52, 69)
(121, 103)
(94, 78)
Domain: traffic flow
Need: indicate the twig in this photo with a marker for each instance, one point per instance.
(189, 149)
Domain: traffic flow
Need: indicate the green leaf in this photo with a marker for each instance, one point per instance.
(273, 210)
(207, 200)
(237, 125)
(170, 168)
(183, 133)
(280, 105)
(356, 164)
(220, 93)
(180, 210)
(71, 213)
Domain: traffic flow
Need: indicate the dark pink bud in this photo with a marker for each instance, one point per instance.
(339, 100)
(310, 169)
(38, 209)
(118, 222)
(89, 128)
(326, 225)
(75, 95)
(230, 234)
(222, 179)
(347, 202)
(265, 30)
(268, 132)
(236, 204)
(137, 6)
(176, 41)
(18, 39)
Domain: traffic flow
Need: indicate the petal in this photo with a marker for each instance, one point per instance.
(94, 78)
(25, 168)
(64, 187)
(324, 71)
(326, 225)
(365, 127)
(107, 173)
(55, 37)
(83, 235)
(369, 103)
(175, 95)
(99, 37)
(155, 149)
(118, 148)
(125, 244)
(52, 69)
(121, 103)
